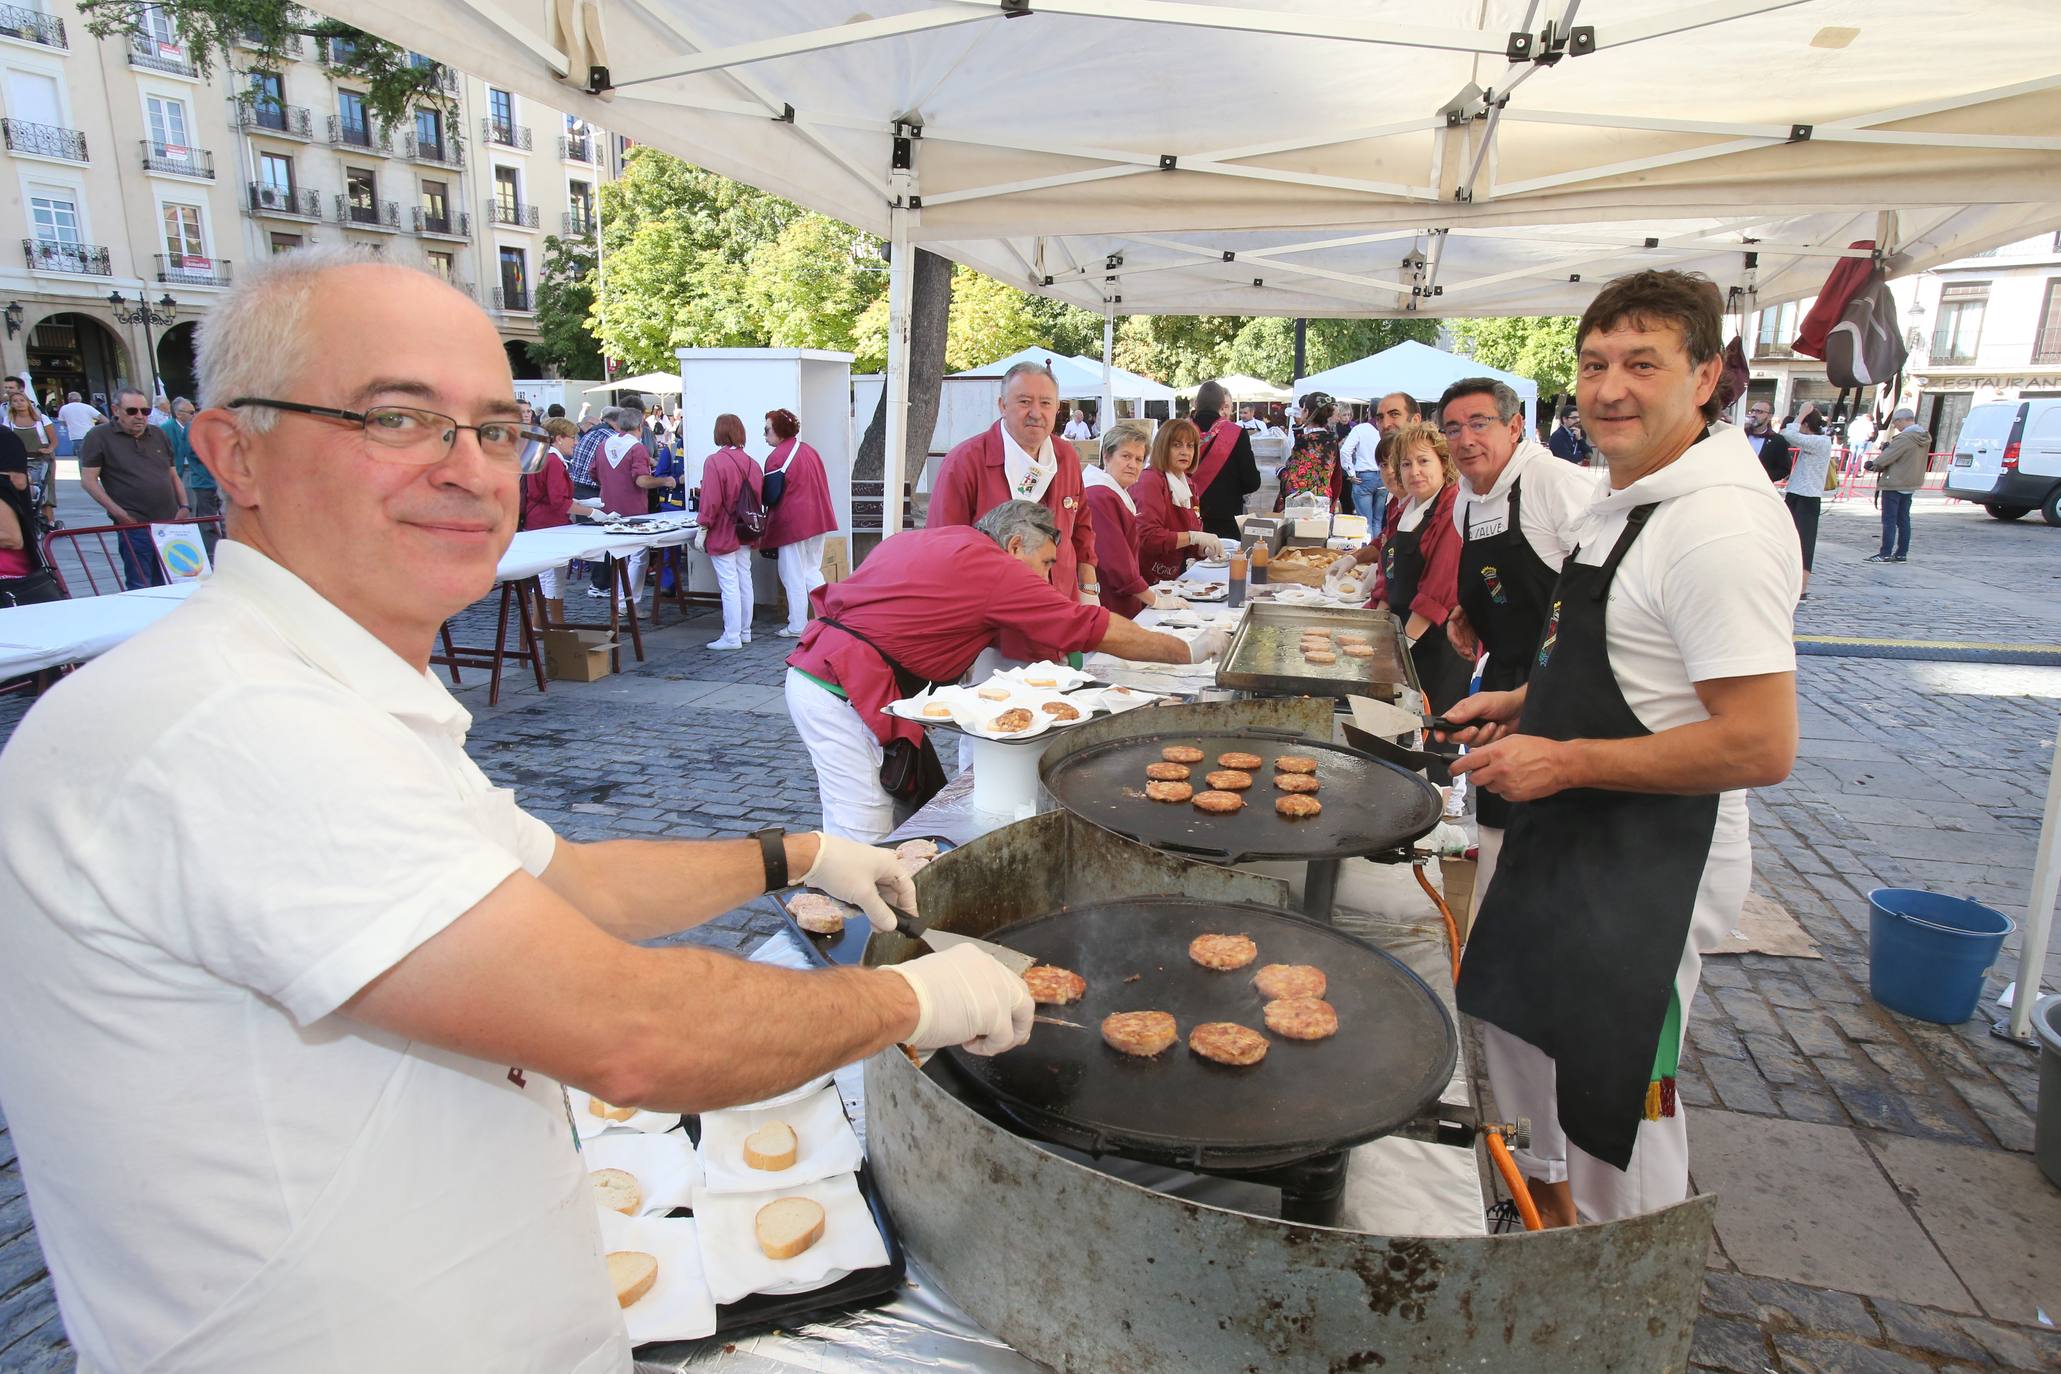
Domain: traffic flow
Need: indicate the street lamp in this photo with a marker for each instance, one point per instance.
(146, 315)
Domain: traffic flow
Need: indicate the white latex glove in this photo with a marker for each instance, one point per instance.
(1341, 568)
(1091, 598)
(1167, 601)
(1207, 545)
(701, 541)
(963, 997)
(1208, 645)
(860, 874)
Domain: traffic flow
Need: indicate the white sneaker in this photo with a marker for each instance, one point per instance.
(596, 593)
(725, 645)
(790, 634)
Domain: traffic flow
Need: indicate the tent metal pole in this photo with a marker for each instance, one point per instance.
(901, 281)
(2039, 908)
(1107, 416)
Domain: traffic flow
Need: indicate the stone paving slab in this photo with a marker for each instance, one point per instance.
(1805, 1204)
(1993, 1215)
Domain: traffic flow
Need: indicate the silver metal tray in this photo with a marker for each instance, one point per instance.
(1265, 654)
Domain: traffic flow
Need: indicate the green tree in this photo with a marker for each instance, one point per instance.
(1178, 350)
(809, 287)
(1541, 347)
(565, 307)
(396, 81)
(679, 242)
(989, 320)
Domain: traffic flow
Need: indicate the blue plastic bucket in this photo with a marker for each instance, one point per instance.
(1927, 953)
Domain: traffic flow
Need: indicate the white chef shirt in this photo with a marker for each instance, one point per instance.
(1707, 591)
(210, 839)
(1556, 494)
(1362, 441)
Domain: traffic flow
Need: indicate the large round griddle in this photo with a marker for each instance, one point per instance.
(1392, 1056)
(1370, 806)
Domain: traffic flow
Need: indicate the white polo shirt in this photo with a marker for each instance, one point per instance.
(1556, 494)
(1707, 591)
(210, 839)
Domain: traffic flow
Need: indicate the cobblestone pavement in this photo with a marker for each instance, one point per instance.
(1913, 773)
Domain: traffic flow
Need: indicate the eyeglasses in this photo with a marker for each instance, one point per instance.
(424, 438)
(1479, 424)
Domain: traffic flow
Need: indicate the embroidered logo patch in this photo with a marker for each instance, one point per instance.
(1552, 633)
(1494, 584)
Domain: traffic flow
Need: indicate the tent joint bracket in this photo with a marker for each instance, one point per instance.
(786, 115)
(1551, 44)
(1800, 133)
(1015, 9)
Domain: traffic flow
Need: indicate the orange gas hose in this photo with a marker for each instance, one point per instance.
(1498, 1151)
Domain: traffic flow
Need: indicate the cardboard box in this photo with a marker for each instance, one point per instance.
(577, 655)
(1459, 877)
(837, 562)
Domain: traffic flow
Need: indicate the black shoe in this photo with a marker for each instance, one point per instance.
(1899, 559)
(1876, 558)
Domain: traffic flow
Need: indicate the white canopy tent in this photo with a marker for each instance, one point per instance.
(1418, 370)
(659, 383)
(1504, 160)
(1243, 388)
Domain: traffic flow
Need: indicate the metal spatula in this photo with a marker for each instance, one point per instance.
(1016, 961)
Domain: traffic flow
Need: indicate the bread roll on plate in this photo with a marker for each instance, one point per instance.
(632, 1272)
(617, 1190)
(771, 1147)
(788, 1227)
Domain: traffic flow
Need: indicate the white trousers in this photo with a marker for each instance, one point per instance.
(635, 558)
(733, 580)
(801, 572)
(547, 582)
(847, 757)
(1525, 1081)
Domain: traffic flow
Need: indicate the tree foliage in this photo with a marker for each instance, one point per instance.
(395, 80)
(565, 307)
(809, 286)
(1541, 347)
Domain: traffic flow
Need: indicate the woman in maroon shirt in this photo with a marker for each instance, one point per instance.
(547, 502)
(1170, 533)
(802, 516)
(725, 475)
(1110, 493)
(1421, 562)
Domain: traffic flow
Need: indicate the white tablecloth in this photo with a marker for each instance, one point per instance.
(532, 551)
(54, 633)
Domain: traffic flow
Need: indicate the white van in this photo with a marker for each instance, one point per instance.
(2008, 459)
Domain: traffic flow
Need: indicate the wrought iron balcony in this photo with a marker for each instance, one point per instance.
(179, 159)
(2046, 349)
(188, 271)
(31, 26)
(442, 78)
(272, 117)
(512, 298)
(512, 212)
(376, 214)
(578, 223)
(345, 134)
(506, 135)
(149, 53)
(44, 140)
(576, 147)
(449, 153)
(281, 201)
(450, 225)
(85, 259)
(465, 288)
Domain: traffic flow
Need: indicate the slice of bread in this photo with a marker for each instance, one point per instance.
(771, 1147)
(632, 1272)
(788, 1227)
(617, 1190)
(608, 1113)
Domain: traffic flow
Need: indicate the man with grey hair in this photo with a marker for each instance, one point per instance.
(1902, 467)
(915, 615)
(272, 902)
(126, 467)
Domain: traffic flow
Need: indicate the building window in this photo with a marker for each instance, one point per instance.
(183, 241)
(2046, 345)
(361, 192)
(501, 108)
(158, 27)
(1777, 329)
(436, 204)
(581, 194)
(1959, 331)
(168, 126)
(507, 193)
(285, 243)
(275, 174)
(350, 109)
(515, 286)
(429, 132)
(268, 100)
(440, 263)
(56, 219)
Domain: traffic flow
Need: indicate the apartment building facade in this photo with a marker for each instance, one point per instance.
(139, 186)
(1980, 328)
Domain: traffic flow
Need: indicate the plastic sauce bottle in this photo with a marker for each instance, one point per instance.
(1259, 565)
(1237, 578)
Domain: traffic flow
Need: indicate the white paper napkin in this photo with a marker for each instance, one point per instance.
(590, 1125)
(825, 1145)
(679, 1306)
(665, 1166)
(735, 1265)
(794, 1094)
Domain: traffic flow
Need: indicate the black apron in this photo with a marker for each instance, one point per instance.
(1442, 675)
(1505, 588)
(1583, 925)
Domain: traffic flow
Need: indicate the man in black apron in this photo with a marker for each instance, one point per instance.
(1662, 685)
(1516, 510)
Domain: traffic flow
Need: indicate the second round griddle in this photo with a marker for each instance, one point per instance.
(1369, 806)
(1393, 1053)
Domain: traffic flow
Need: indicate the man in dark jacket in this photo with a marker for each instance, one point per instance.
(1902, 465)
(1776, 457)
